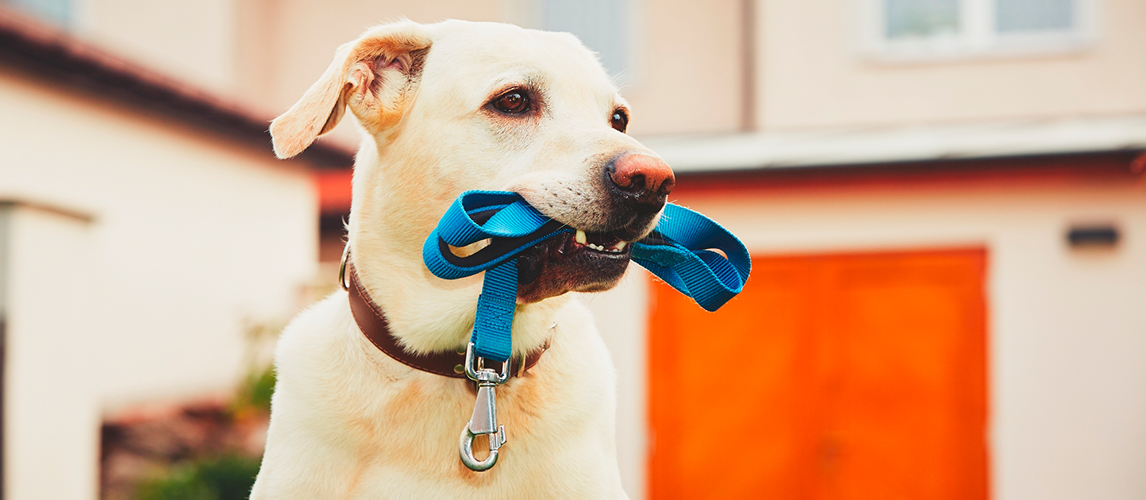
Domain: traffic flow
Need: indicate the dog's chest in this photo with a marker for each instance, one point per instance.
(551, 431)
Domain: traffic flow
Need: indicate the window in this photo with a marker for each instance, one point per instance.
(603, 25)
(930, 28)
(920, 18)
(54, 11)
(1019, 16)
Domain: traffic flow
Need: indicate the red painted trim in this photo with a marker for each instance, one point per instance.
(1139, 164)
(333, 190)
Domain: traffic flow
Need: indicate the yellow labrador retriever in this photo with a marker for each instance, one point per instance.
(446, 108)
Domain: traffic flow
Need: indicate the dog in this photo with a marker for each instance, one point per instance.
(446, 108)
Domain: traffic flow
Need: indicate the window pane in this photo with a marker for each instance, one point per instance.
(56, 11)
(921, 18)
(1034, 15)
(603, 25)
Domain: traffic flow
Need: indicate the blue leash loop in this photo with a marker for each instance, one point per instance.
(678, 251)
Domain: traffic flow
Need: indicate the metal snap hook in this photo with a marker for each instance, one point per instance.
(467, 452)
(476, 370)
(484, 418)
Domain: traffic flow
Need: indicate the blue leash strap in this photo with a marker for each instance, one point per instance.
(679, 251)
(512, 226)
(505, 218)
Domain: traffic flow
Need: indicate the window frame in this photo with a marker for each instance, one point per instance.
(977, 36)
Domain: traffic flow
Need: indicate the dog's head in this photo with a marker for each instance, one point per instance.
(456, 106)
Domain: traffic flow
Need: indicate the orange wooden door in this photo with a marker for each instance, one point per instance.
(831, 377)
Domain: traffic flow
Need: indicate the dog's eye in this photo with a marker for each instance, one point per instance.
(512, 102)
(620, 120)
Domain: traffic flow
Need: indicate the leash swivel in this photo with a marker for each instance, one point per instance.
(484, 418)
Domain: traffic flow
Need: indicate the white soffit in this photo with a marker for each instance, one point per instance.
(899, 144)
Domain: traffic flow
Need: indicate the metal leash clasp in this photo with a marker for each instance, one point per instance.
(484, 418)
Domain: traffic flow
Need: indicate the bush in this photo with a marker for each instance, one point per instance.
(228, 477)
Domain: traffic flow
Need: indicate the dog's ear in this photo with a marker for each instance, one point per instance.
(375, 76)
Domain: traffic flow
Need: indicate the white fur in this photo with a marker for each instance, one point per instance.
(348, 421)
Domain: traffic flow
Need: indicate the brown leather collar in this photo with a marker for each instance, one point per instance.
(374, 326)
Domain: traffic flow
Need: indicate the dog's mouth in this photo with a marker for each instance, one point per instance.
(575, 261)
(605, 243)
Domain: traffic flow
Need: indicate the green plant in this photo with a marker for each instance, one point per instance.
(227, 477)
(254, 393)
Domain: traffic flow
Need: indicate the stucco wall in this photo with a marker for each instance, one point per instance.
(812, 72)
(1067, 329)
(195, 42)
(52, 410)
(688, 74)
(170, 240)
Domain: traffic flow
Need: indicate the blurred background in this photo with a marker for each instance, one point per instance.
(943, 198)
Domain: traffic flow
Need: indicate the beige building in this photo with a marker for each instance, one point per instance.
(143, 227)
(922, 163)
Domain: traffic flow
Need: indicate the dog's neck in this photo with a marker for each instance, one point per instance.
(395, 206)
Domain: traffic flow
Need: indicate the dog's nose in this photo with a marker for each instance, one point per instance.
(641, 179)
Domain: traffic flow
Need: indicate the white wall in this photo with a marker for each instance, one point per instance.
(181, 237)
(52, 411)
(1067, 329)
(194, 41)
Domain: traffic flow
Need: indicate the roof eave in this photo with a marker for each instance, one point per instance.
(907, 144)
(55, 57)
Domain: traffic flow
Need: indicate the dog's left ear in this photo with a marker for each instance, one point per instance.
(375, 76)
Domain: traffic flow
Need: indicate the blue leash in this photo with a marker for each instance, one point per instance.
(677, 251)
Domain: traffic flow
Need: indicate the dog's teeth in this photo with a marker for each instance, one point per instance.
(620, 246)
(581, 238)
